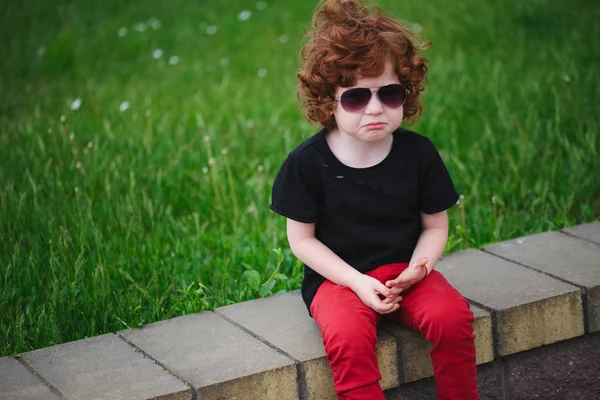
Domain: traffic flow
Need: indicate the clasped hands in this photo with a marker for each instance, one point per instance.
(385, 299)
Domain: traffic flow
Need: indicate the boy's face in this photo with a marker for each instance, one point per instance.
(376, 121)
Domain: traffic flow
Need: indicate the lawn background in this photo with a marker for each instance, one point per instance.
(112, 219)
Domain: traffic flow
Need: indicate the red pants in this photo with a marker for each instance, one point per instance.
(431, 307)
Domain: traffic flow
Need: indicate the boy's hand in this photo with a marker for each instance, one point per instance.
(415, 273)
(369, 290)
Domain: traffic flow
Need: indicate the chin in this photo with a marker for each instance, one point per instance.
(375, 135)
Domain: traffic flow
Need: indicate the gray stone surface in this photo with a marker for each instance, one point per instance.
(566, 370)
(283, 321)
(217, 358)
(414, 348)
(531, 308)
(104, 367)
(571, 259)
(589, 231)
(16, 382)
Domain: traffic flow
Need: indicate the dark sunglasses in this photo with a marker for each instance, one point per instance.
(357, 99)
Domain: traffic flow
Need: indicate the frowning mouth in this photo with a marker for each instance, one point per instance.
(375, 125)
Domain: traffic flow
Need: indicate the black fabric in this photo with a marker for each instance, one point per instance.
(367, 216)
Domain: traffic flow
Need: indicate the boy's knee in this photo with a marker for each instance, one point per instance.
(350, 342)
(451, 321)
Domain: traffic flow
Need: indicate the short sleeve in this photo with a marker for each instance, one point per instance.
(294, 192)
(436, 190)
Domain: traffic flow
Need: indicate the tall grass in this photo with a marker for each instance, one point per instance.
(114, 219)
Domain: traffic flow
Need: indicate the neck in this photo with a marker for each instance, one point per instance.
(358, 153)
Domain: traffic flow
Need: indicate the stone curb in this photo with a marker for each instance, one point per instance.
(525, 293)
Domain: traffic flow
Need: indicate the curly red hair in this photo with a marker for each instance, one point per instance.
(350, 40)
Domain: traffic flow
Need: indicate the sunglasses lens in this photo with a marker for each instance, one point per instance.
(354, 100)
(393, 96)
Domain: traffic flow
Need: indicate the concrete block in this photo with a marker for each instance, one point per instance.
(565, 257)
(16, 382)
(283, 321)
(414, 348)
(531, 308)
(218, 359)
(589, 231)
(104, 367)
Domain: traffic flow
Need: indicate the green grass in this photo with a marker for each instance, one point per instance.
(162, 210)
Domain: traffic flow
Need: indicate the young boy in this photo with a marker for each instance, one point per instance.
(366, 201)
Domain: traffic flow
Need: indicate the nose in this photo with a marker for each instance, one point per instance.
(374, 107)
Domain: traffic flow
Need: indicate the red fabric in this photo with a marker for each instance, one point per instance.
(432, 307)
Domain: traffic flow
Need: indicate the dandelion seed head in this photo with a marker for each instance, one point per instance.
(173, 60)
(124, 106)
(76, 104)
(78, 165)
(244, 15)
(90, 145)
(154, 23)
(211, 30)
(122, 31)
(284, 38)
(261, 5)
(458, 227)
(206, 139)
(148, 113)
(224, 151)
(49, 130)
(250, 124)
(457, 201)
(251, 209)
(211, 161)
(493, 199)
(71, 136)
(462, 196)
(204, 170)
(141, 27)
(567, 79)
(63, 118)
(76, 189)
(417, 28)
(262, 72)
(260, 168)
(157, 53)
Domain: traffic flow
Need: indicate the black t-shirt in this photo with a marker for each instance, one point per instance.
(367, 216)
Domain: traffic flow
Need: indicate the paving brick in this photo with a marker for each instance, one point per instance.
(16, 382)
(571, 259)
(104, 367)
(218, 359)
(589, 231)
(283, 321)
(414, 348)
(531, 308)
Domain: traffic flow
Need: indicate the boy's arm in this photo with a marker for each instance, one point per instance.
(429, 249)
(325, 262)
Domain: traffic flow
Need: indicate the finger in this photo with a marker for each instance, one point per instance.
(383, 290)
(386, 309)
(393, 308)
